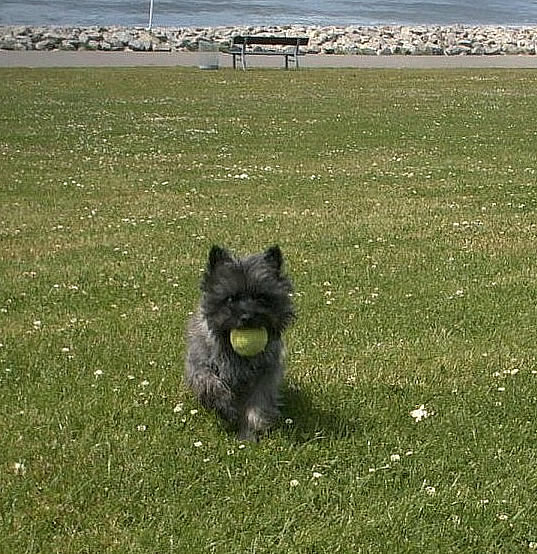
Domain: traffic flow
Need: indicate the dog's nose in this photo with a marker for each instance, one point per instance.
(244, 319)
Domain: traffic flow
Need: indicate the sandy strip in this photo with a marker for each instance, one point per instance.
(192, 59)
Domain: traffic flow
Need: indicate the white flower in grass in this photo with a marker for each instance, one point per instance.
(19, 468)
(420, 413)
(141, 428)
(178, 408)
(294, 483)
(431, 491)
(316, 475)
(395, 458)
(198, 444)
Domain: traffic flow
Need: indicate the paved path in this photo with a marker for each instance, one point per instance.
(191, 59)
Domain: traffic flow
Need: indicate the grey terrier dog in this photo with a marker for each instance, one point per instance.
(238, 294)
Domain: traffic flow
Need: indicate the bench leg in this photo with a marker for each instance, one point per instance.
(293, 58)
(243, 57)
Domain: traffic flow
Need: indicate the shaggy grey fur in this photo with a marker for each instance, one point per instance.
(240, 292)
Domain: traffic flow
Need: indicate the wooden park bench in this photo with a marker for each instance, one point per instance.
(243, 46)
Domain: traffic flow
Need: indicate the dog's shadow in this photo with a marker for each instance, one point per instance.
(303, 420)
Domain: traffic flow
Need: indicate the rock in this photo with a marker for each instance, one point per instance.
(9, 43)
(477, 50)
(431, 49)
(457, 51)
(492, 51)
(511, 49)
(92, 34)
(121, 38)
(451, 38)
(46, 44)
(404, 49)
(382, 40)
(69, 45)
(140, 45)
(92, 45)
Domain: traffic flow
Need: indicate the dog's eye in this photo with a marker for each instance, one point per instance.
(230, 300)
(264, 299)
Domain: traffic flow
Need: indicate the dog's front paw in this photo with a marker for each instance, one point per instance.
(215, 395)
(226, 410)
(247, 434)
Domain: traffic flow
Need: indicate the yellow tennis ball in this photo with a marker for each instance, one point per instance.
(248, 342)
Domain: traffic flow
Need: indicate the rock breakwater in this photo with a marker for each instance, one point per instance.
(362, 40)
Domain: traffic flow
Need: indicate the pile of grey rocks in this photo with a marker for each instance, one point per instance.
(383, 40)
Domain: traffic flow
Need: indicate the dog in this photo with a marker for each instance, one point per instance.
(251, 292)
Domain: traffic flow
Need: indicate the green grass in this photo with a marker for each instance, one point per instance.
(405, 203)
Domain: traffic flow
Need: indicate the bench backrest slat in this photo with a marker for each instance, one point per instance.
(272, 41)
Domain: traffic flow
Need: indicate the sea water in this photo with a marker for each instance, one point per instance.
(209, 13)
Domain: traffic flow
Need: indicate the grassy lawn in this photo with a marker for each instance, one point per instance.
(405, 204)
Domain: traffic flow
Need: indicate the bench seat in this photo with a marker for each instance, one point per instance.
(250, 45)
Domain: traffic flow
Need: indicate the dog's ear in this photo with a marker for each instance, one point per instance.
(217, 256)
(274, 257)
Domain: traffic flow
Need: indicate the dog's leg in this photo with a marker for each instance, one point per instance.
(260, 409)
(213, 394)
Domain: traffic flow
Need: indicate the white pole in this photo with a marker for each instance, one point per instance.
(150, 15)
